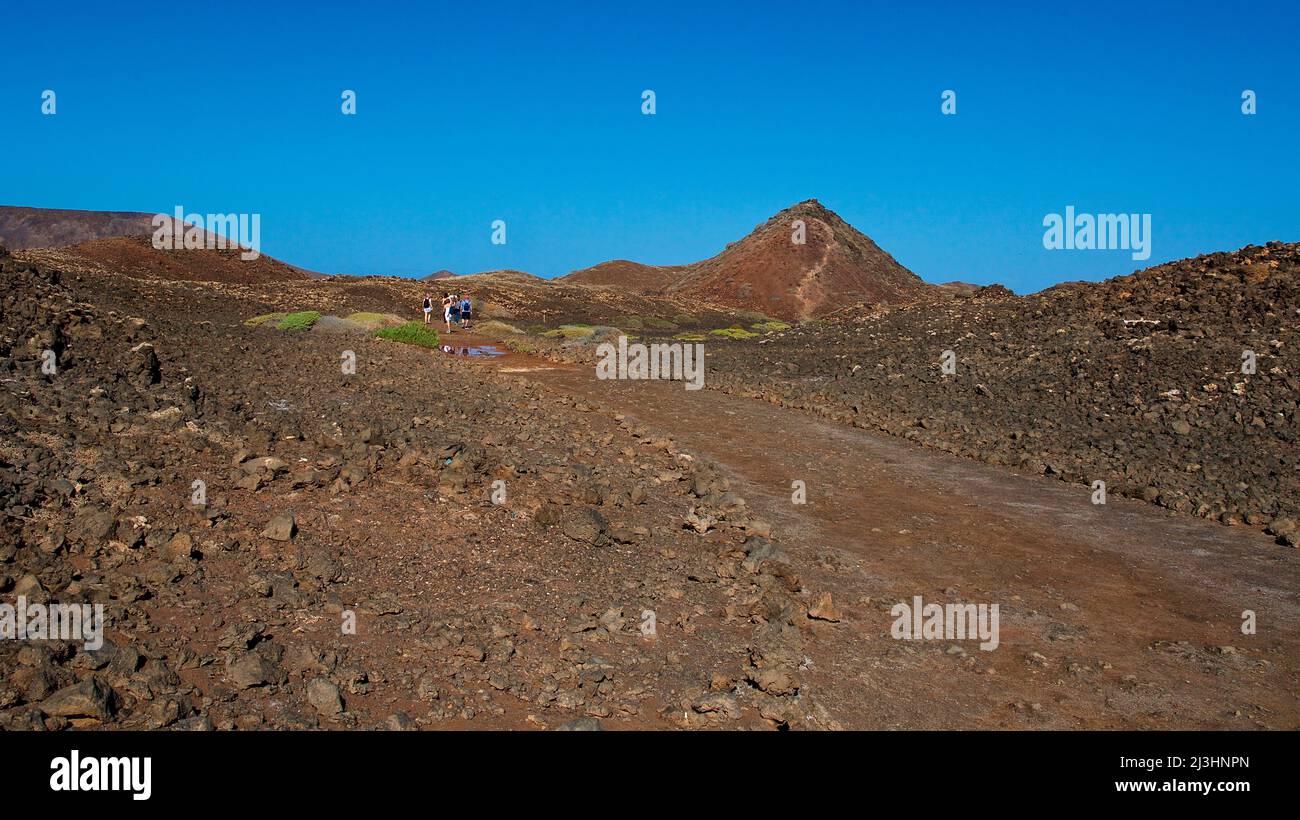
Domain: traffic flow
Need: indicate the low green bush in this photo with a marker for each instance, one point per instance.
(302, 320)
(411, 333)
(733, 332)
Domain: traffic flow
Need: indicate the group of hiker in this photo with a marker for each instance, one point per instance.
(456, 309)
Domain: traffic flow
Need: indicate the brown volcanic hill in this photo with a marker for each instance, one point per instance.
(767, 272)
(960, 289)
(633, 276)
(965, 290)
(22, 227)
(504, 275)
(135, 256)
(438, 274)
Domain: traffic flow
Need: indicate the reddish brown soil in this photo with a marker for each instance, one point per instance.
(136, 257)
(1114, 616)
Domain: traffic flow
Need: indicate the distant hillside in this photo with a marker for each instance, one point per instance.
(632, 276)
(22, 228)
(135, 256)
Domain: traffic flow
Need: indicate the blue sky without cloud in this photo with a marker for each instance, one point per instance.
(531, 113)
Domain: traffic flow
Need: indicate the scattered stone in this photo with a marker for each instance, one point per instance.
(582, 724)
(282, 527)
(324, 697)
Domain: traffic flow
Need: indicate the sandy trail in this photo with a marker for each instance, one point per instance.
(1111, 616)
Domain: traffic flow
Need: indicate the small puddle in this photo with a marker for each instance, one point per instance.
(472, 350)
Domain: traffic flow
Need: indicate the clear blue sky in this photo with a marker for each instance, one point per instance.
(531, 113)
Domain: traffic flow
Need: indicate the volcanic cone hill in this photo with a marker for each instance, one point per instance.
(769, 273)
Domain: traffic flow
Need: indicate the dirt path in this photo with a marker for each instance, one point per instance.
(1111, 616)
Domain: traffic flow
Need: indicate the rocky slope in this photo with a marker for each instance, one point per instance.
(501, 551)
(136, 257)
(1136, 381)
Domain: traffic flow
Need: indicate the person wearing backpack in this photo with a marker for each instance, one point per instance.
(466, 307)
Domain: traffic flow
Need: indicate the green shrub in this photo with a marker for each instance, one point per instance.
(411, 333)
(733, 332)
(643, 323)
(570, 332)
(770, 326)
(257, 321)
(302, 320)
(519, 345)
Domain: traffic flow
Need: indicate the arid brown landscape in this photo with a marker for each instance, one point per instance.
(293, 519)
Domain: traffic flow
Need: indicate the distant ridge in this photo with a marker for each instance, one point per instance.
(22, 228)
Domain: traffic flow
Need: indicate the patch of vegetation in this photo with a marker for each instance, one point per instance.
(689, 337)
(302, 320)
(519, 345)
(257, 321)
(369, 319)
(493, 327)
(570, 332)
(733, 332)
(770, 326)
(643, 323)
(411, 333)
